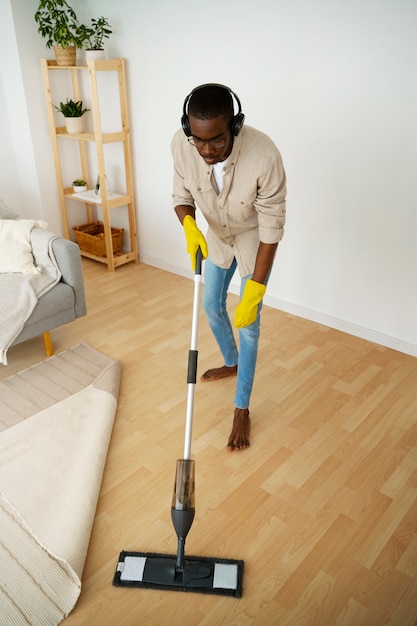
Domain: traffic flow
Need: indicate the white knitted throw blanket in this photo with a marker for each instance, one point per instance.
(19, 293)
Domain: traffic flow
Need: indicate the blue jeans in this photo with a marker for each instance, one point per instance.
(216, 284)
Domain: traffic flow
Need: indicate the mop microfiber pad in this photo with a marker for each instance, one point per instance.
(198, 574)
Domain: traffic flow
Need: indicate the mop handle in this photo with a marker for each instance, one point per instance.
(193, 357)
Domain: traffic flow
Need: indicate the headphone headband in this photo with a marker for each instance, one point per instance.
(237, 121)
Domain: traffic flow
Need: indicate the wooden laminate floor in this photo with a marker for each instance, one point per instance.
(322, 507)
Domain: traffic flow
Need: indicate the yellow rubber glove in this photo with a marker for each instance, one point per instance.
(247, 309)
(195, 239)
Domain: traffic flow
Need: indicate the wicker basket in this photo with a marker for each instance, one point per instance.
(90, 238)
(66, 55)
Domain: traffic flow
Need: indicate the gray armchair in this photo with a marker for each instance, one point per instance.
(64, 302)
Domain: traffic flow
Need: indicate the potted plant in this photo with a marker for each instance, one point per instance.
(73, 112)
(58, 24)
(79, 185)
(95, 35)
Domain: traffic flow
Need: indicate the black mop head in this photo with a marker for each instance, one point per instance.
(198, 574)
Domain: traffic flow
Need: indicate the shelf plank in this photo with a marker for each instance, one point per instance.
(99, 65)
(61, 131)
(91, 197)
(119, 258)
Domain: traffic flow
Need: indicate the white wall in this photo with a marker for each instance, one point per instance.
(332, 82)
(28, 183)
(10, 92)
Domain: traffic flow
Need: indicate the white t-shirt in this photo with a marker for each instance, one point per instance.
(218, 169)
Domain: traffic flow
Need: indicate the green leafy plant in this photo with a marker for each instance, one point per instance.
(79, 182)
(58, 24)
(99, 31)
(69, 108)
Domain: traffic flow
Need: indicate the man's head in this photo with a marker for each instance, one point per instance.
(210, 101)
(209, 122)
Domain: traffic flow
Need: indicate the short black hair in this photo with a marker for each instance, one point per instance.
(210, 101)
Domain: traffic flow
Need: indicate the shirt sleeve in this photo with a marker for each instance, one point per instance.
(180, 195)
(270, 203)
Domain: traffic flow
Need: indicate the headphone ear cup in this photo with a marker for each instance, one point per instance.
(237, 124)
(185, 123)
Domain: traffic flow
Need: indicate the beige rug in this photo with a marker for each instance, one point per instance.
(56, 420)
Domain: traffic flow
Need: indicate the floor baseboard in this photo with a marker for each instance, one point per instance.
(345, 326)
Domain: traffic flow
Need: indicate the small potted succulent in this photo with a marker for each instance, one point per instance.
(73, 112)
(79, 185)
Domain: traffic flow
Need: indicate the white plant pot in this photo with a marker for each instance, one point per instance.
(74, 125)
(79, 188)
(97, 55)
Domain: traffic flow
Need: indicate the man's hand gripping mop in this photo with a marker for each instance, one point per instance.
(181, 573)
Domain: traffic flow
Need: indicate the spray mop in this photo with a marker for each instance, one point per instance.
(180, 572)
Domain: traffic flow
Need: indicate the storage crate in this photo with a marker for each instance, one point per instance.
(90, 238)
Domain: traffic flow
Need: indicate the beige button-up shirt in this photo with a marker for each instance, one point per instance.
(251, 205)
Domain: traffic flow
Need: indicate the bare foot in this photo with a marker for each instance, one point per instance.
(239, 437)
(219, 372)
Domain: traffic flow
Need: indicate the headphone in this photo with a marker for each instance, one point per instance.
(237, 121)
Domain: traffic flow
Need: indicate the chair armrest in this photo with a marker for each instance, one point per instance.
(68, 257)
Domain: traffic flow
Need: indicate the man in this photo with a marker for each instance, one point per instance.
(234, 175)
